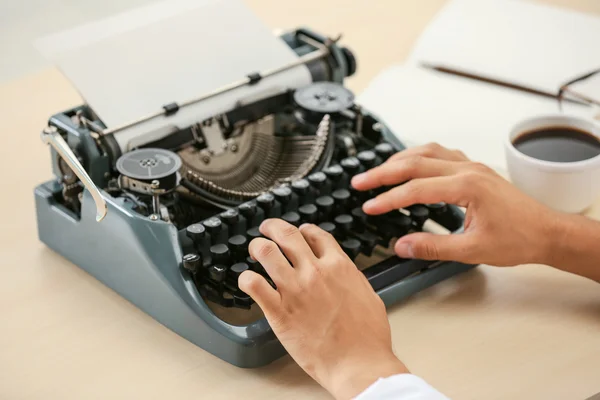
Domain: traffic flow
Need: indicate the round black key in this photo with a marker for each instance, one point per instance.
(359, 215)
(401, 222)
(384, 150)
(437, 208)
(265, 201)
(254, 265)
(238, 244)
(308, 213)
(195, 232)
(351, 247)
(283, 194)
(248, 210)
(344, 222)
(351, 165)
(419, 213)
(341, 196)
(230, 217)
(192, 262)
(334, 172)
(236, 270)
(291, 217)
(317, 179)
(328, 227)
(325, 204)
(367, 158)
(217, 273)
(213, 225)
(253, 233)
(219, 253)
(300, 187)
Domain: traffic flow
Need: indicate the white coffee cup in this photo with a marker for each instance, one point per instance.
(570, 187)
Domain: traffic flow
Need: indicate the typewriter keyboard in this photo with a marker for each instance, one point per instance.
(216, 249)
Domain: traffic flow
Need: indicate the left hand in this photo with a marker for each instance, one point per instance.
(324, 311)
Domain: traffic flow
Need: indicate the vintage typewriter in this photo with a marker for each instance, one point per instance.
(167, 223)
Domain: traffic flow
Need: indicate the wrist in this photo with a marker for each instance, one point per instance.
(559, 239)
(350, 378)
(549, 239)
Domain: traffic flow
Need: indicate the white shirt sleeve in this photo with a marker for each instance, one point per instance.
(401, 387)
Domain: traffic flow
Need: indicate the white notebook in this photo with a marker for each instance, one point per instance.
(517, 41)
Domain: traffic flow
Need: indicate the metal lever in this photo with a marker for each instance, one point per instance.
(51, 136)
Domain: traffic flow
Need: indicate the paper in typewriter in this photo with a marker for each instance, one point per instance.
(130, 65)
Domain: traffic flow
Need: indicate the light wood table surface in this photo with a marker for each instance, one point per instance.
(521, 333)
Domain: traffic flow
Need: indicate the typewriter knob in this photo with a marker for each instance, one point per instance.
(351, 247)
(195, 232)
(230, 216)
(320, 98)
(308, 212)
(291, 217)
(366, 158)
(237, 269)
(325, 204)
(334, 172)
(254, 265)
(248, 210)
(283, 194)
(265, 201)
(300, 187)
(238, 244)
(317, 180)
(213, 225)
(342, 197)
(253, 233)
(344, 222)
(384, 151)
(351, 165)
(192, 262)
(139, 168)
(217, 273)
(219, 253)
(419, 213)
(328, 227)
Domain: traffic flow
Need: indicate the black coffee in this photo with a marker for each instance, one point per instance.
(558, 144)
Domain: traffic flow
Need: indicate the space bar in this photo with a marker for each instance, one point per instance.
(392, 270)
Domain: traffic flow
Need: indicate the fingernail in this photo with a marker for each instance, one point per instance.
(358, 179)
(370, 204)
(303, 226)
(404, 250)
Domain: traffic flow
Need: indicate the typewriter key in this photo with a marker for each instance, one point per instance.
(384, 150)
(192, 262)
(367, 158)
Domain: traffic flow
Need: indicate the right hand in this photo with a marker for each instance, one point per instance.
(503, 226)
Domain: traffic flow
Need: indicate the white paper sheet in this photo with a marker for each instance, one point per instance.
(522, 42)
(130, 65)
(423, 106)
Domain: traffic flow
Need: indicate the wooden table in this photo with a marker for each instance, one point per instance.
(528, 332)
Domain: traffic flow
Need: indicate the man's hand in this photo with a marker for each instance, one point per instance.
(503, 226)
(324, 311)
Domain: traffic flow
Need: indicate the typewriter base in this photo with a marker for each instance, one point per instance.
(139, 259)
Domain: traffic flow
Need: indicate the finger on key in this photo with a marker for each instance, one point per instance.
(403, 170)
(431, 150)
(289, 239)
(320, 242)
(418, 191)
(256, 286)
(275, 264)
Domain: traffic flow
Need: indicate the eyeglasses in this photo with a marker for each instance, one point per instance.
(575, 95)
